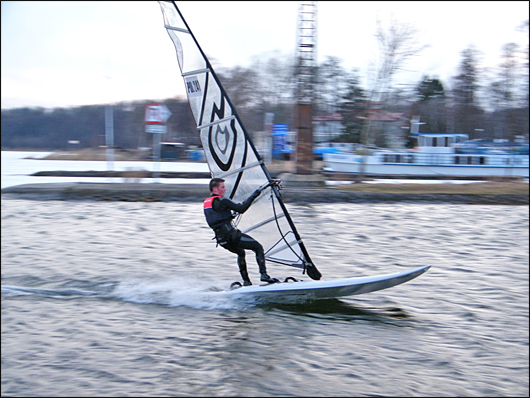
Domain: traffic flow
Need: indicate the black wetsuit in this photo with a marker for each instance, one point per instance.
(218, 212)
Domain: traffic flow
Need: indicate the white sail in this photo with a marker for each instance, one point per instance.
(231, 154)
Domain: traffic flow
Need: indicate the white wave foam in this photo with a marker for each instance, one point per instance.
(181, 291)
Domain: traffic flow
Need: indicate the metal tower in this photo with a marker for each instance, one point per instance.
(306, 56)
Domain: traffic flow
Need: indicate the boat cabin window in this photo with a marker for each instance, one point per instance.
(445, 141)
(398, 158)
(470, 160)
(440, 141)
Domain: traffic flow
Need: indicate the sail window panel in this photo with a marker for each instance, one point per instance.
(287, 252)
(292, 261)
(287, 246)
(256, 222)
(178, 47)
(274, 234)
(171, 18)
(261, 224)
(193, 59)
(267, 234)
(287, 257)
(277, 237)
(266, 222)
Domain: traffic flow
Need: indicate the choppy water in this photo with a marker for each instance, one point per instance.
(123, 299)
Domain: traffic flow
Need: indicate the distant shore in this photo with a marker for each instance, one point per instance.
(139, 185)
(491, 193)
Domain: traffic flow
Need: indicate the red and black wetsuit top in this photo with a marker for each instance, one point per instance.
(218, 209)
(216, 218)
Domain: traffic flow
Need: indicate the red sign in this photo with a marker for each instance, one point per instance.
(156, 113)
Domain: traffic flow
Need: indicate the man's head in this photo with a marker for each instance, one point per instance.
(217, 186)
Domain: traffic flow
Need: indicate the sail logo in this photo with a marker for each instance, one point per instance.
(222, 139)
(193, 87)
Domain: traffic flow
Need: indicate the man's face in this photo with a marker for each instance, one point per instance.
(220, 190)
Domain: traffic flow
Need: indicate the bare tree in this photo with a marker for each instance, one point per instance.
(526, 84)
(276, 81)
(240, 85)
(397, 44)
(509, 66)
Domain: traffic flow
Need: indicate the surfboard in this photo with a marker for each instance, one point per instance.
(326, 289)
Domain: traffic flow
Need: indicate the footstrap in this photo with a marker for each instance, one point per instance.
(290, 278)
(235, 285)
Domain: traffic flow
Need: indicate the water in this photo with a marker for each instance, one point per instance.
(125, 299)
(17, 167)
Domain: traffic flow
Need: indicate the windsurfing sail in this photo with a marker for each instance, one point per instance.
(230, 153)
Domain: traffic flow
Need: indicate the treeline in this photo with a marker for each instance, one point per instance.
(51, 129)
(484, 103)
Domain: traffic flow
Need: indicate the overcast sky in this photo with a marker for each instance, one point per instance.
(67, 53)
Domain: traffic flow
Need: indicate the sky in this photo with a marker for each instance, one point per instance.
(72, 53)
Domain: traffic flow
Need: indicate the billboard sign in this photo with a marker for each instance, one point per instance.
(156, 113)
(279, 139)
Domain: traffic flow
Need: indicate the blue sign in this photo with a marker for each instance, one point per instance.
(279, 139)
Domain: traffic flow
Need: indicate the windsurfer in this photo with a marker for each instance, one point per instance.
(218, 212)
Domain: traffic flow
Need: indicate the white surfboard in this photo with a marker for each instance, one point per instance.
(314, 290)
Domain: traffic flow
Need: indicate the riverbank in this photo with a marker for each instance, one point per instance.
(84, 179)
(495, 192)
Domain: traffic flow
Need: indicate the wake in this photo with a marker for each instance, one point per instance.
(175, 292)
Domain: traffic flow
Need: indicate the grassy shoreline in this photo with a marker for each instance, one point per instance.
(360, 193)
(475, 188)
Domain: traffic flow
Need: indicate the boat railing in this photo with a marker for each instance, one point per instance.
(442, 159)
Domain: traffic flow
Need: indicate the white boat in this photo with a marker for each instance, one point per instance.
(437, 154)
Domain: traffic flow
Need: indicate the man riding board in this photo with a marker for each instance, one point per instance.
(218, 212)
